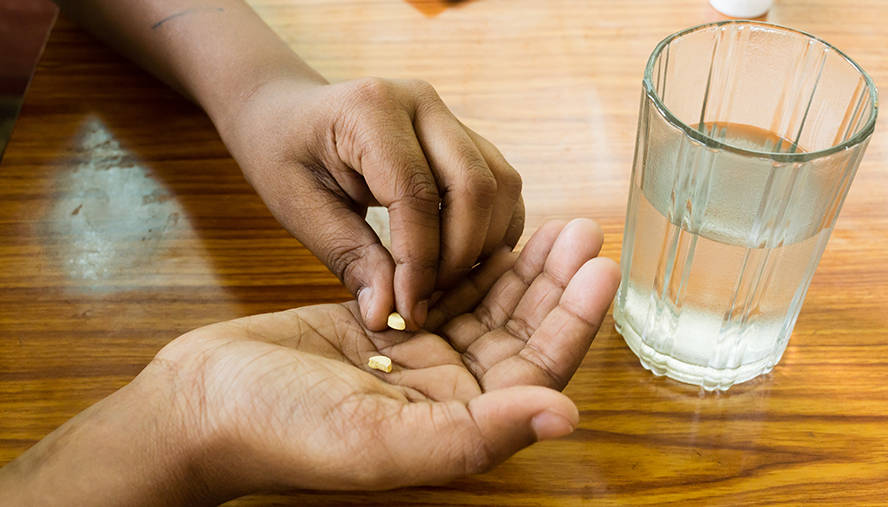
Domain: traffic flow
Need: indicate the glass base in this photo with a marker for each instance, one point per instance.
(708, 378)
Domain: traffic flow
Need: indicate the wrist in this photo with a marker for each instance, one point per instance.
(133, 448)
(216, 54)
(221, 73)
(248, 116)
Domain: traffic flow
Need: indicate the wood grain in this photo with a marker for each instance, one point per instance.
(124, 222)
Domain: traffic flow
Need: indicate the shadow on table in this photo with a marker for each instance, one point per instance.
(133, 220)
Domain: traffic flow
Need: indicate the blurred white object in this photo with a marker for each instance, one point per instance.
(742, 8)
(378, 218)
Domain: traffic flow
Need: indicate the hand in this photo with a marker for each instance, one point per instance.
(319, 155)
(291, 401)
(286, 400)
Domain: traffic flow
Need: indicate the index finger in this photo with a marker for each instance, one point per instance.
(399, 177)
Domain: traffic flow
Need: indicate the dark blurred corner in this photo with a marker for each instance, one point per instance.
(24, 27)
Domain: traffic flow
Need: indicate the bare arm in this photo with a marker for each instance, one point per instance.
(320, 154)
(133, 448)
(215, 52)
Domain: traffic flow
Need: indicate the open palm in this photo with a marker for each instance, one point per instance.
(288, 400)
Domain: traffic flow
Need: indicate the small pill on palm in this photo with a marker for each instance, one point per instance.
(380, 363)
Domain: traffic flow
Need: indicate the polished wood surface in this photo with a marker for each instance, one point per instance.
(124, 223)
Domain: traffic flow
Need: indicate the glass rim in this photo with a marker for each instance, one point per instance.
(709, 141)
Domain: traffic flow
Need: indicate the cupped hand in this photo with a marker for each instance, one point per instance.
(319, 155)
(287, 400)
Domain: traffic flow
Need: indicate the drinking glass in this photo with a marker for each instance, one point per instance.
(749, 135)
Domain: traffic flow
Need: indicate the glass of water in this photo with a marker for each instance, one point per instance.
(749, 135)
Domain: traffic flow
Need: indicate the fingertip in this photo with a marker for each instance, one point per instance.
(445, 440)
(608, 272)
(593, 288)
(593, 227)
(514, 417)
(413, 290)
(612, 268)
(420, 312)
(375, 295)
(372, 316)
(585, 232)
(587, 223)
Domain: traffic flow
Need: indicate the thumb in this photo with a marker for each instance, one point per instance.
(348, 246)
(453, 439)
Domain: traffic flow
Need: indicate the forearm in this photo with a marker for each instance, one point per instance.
(130, 449)
(216, 52)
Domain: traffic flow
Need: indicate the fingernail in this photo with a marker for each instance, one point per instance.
(503, 250)
(548, 425)
(365, 296)
(436, 296)
(420, 312)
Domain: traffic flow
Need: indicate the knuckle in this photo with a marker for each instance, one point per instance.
(424, 88)
(425, 260)
(510, 181)
(519, 329)
(472, 453)
(342, 259)
(420, 192)
(480, 185)
(516, 228)
(486, 315)
(472, 363)
(479, 457)
(373, 90)
(545, 364)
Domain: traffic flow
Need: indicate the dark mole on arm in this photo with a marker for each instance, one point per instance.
(155, 26)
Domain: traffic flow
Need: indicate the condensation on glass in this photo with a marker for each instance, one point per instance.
(749, 136)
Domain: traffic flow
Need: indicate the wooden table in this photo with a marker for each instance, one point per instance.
(124, 223)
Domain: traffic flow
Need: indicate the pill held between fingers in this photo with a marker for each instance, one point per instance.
(381, 363)
(395, 321)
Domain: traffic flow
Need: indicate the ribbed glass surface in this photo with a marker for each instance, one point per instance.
(749, 137)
